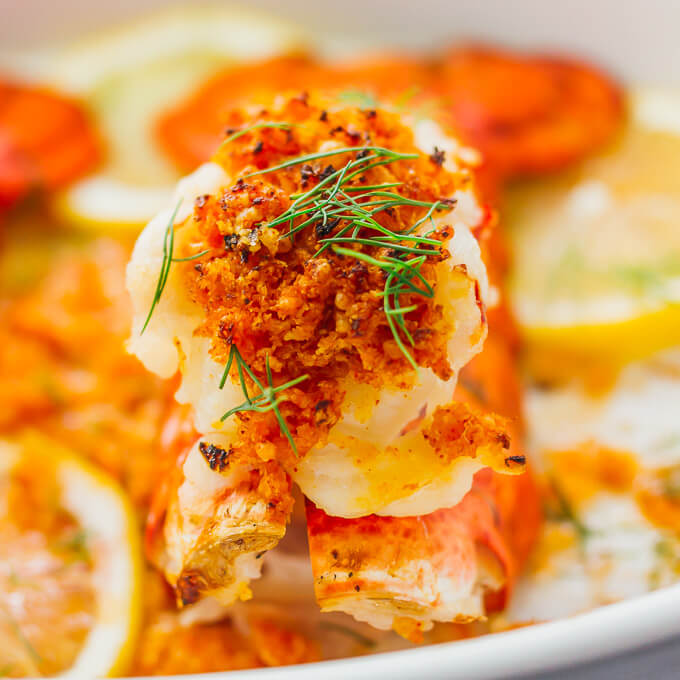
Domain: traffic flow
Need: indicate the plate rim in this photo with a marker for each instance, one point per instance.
(598, 634)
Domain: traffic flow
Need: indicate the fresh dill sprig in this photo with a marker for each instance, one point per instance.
(407, 96)
(267, 399)
(361, 98)
(168, 246)
(381, 151)
(400, 280)
(255, 126)
(334, 200)
(192, 257)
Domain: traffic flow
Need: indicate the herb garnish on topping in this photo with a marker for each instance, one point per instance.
(266, 400)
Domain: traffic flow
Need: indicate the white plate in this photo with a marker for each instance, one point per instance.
(638, 40)
(615, 629)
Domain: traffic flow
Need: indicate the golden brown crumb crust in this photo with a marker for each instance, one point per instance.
(276, 298)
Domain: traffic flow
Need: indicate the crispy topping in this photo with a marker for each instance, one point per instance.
(313, 265)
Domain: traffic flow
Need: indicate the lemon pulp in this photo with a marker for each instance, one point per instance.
(597, 250)
(70, 575)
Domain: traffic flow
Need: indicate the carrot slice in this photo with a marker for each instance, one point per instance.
(46, 141)
(528, 115)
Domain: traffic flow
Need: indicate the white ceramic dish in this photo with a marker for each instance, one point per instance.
(605, 632)
(638, 41)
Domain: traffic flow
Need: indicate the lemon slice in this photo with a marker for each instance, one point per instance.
(129, 76)
(103, 514)
(597, 250)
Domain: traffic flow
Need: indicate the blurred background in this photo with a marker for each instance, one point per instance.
(575, 108)
(632, 38)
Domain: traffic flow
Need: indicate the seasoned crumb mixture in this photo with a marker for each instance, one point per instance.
(276, 298)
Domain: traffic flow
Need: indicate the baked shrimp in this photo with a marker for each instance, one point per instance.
(455, 564)
(320, 287)
(215, 513)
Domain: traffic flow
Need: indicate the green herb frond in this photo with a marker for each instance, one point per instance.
(267, 399)
(355, 208)
(168, 246)
(361, 98)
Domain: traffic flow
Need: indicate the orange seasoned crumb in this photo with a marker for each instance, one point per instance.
(459, 430)
(277, 298)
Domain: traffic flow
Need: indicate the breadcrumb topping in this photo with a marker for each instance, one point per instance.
(305, 312)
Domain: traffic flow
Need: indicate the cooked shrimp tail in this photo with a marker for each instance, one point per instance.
(216, 514)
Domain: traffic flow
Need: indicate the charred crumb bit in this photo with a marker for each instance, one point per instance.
(271, 505)
(324, 116)
(246, 301)
(257, 200)
(359, 275)
(217, 458)
(244, 254)
(230, 241)
(422, 333)
(519, 460)
(448, 202)
(258, 147)
(188, 589)
(199, 268)
(334, 554)
(230, 131)
(351, 573)
(371, 113)
(321, 412)
(260, 554)
(357, 588)
(326, 172)
(438, 156)
(504, 441)
(200, 201)
(225, 331)
(325, 229)
(363, 154)
(337, 129)
(356, 325)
